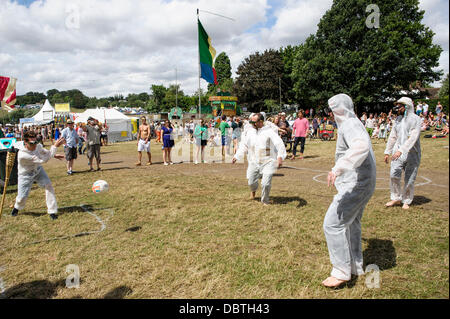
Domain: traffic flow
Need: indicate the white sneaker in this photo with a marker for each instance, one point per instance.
(165, 164)
(171, 163)
(195, 162)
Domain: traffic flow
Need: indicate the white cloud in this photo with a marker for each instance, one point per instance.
(125, 46)
(436, 17)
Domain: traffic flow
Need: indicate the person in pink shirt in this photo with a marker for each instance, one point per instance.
(299, 131)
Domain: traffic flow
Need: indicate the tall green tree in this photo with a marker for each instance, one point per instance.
(222, 65)
(158, 94)
(174, 95)
(288, 56)
(258, 79)
(371, 65)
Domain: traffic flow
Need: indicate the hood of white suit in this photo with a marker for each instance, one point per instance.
(342, 107)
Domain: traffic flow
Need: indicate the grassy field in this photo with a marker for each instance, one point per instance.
(189, 231)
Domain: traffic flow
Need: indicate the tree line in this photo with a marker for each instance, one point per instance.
(345, 55)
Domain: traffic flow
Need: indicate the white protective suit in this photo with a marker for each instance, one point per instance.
(30, 170)
(355, 182)
(263, 148)
(404, 137)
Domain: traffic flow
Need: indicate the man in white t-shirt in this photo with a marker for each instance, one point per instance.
(370, 124)
(425, 109)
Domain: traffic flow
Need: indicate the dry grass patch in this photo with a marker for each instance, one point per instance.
(189, 231)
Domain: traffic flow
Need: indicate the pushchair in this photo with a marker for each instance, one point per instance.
(326, 132)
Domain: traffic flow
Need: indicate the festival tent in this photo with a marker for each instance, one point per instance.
(176, 113)
(45, 115)
(119, 125)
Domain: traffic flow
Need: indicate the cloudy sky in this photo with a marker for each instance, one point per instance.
(108, 47)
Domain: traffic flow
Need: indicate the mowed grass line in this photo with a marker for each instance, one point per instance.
(196, 234)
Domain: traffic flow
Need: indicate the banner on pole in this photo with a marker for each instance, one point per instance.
(26, 120)
(62, 107)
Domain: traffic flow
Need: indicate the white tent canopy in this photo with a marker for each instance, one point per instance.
(119, 125)
(45, 114)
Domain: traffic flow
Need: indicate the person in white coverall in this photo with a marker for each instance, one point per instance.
(404, 146)
(30, 157)
(354, 176)
(265, 153)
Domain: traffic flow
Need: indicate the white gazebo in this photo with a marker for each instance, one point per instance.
(45, 115)
(119, 125)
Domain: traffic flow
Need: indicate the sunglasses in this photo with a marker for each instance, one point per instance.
(32, 142)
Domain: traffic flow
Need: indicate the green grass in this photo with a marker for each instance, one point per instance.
(198, 236)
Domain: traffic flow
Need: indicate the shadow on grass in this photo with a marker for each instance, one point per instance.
(134, 229)
(9, 190)
(112, 162)
(285, 200)
(102, 170)
(380, 252)
(278, 175)
(61, 211)
(118, 293)
(420, 200)
(38, 289)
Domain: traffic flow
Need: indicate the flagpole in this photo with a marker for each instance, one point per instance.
(199, 70)
(176, 87)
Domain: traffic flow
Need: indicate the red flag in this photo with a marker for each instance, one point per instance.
(7, 92)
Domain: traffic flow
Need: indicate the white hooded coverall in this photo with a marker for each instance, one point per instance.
(404, 137)
(263, 148)
(355, 182)
(30, 171)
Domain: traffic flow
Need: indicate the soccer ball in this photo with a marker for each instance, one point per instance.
(100, 186)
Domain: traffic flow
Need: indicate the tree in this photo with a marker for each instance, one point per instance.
(203, 98)
(271, 105)
(51, 92)
(174, 95)
(158, 94)
(258, 79)
(443, 92)
(288, 55)
(31, 98)
(372, 65)
(143, 97)
(75, 97)
(222, 65)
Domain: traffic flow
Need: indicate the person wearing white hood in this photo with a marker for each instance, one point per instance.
(354, 176)
(30, 157)
(404, 146)
(265, 153)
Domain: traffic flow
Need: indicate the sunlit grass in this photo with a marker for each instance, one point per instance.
(189, 231)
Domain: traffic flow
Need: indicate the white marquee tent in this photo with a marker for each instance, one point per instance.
(45, 114)
(119, 125)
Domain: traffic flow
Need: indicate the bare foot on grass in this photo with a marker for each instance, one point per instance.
(393, 203)
(333, 282)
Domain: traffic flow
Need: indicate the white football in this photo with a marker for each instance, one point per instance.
(100, 186)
